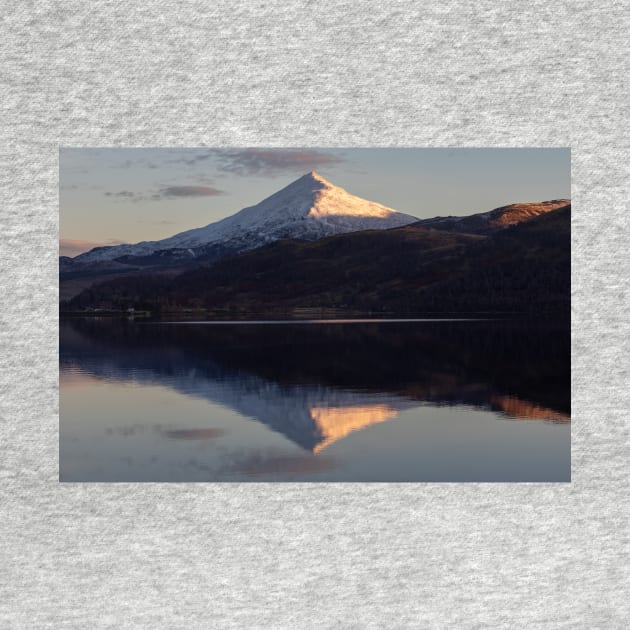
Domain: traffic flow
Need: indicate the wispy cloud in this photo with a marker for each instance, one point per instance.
(190, 191)
(134, 163)
(273, 161)
(252, 161)
(123, 194)
(169, 192)
(195, 159)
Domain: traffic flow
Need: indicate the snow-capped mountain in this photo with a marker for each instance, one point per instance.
(310, 208)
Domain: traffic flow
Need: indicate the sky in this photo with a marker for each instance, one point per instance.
(109, 196)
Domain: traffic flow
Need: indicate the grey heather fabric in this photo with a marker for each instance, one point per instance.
(280, 73)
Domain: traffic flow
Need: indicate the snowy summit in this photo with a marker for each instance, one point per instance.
(310, 208)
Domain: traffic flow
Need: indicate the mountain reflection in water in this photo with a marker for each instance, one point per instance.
(318, 384)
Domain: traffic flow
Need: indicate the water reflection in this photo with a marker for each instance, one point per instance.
(334, 423)
(525, 410)
(194, 434)
(262, 464)
(316, 385)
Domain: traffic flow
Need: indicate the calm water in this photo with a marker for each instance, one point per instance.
(317, 401)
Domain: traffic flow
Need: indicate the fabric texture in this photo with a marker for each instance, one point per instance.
(305, 74)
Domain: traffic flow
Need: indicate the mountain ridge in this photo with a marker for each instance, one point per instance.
(412, 269)
(293, 221)
(493, 220)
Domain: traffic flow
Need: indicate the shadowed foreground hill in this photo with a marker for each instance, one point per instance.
(413, 269)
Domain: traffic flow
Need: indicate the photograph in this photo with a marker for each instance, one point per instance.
(315, 314)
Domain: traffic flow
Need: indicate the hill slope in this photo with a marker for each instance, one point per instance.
(413, 269)
(494, 220)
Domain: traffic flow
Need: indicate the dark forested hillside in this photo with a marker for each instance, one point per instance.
(413, 269)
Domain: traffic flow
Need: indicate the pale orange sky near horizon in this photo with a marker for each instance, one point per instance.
(110, 196)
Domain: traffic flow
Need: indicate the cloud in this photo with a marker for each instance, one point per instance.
(191, 157)
(190, 191)
(134, 163)
(126, 164)
(169, 192)
(124, 194)
(73, 247)
(455, 153)
(197, 158)
(256, 161)
(273, 161)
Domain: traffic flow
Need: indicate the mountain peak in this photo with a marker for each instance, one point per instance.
(317, 177)
(308, 208)
(313, 179)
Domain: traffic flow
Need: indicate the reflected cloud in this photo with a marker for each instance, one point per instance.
(194, 434)
(127, 430)
(257, 465)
